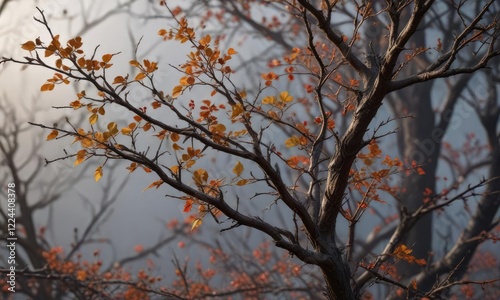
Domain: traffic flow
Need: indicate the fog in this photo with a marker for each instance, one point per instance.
(138, 217)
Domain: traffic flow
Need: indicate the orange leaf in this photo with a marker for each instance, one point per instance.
(273, 114)
(187, 80)
(107, 57)
(231, 51)
(205, 40)
(156, 104)
(177, 147)
(119, 79)
(146, 126)
(140, 76)
(47, 87)
(138, 248)
(52, 135)
(29, 46)
(174, 136)
(154, 184)
(132, 167)
(81, 62)
(200, 176)
(218, 128)
(134, 63)
(188, 206)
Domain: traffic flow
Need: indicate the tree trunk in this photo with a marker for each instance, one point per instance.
(337, 277)
(419, 142)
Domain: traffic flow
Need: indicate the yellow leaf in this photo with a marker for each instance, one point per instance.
(93, 118)
(174, 169)
(292, 142)
(237, 110)
(107, 57)
(286, 97)
(196, 224)
(126, 130)
(269, 100)
(29, 46)
(238, 168)
(87, 143)
(52, 135)
(200, 176)
(218, 128)
(242, 182)
(113, 128)
(177, 91)
(80, 157)
(140, 76)
(98, 173)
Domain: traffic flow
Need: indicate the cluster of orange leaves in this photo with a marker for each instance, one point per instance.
(205, 59)
(404, 253)
(368, 183)
(89, 274)
(249, 282)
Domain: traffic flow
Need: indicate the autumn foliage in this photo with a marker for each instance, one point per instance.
(305, 139)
